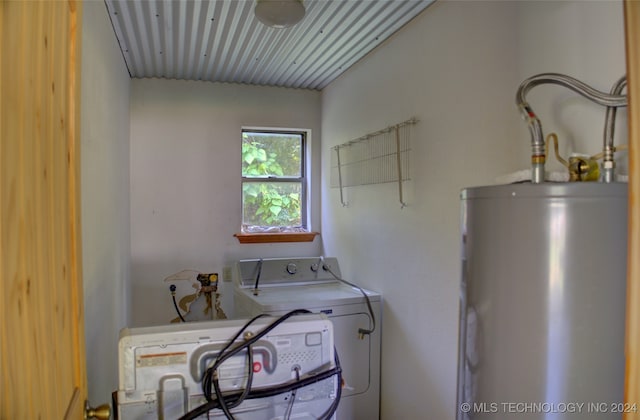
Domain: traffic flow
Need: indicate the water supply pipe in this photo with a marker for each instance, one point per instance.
(608, 164)
(538, 157)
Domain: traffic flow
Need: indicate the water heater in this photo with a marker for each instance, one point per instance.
(542, 301)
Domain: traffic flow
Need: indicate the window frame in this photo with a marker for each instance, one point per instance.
(303, 179)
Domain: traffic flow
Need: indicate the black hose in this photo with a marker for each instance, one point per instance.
(175, 304)
(233, 399)
(280, 389)
(255, 288)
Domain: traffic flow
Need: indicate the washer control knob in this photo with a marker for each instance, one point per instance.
(315, 267)
(292, 268)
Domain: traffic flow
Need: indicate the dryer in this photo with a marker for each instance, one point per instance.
(277, 285)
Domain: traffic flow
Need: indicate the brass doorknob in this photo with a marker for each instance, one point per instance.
(102, 412)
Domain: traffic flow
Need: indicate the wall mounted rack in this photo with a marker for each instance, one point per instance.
(375, 158)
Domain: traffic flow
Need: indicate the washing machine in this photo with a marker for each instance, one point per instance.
(276, 286)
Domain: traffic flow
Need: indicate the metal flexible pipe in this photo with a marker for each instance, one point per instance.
(534, 124)
(608, 163)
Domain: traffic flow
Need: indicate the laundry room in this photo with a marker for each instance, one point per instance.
(162, 171)
(456, 68)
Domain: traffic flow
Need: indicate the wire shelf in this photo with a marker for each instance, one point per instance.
(375, 158)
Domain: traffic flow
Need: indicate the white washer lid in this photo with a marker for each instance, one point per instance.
(307, 297)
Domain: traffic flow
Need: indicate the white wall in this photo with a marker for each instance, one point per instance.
(105, 198)
(185, 181)
(457, 68)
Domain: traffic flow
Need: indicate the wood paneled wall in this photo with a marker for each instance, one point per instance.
(632, 350)
(41, 320)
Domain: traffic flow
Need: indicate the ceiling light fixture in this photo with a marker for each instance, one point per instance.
(279, 13)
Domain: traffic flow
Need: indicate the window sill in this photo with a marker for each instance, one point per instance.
(265, 238)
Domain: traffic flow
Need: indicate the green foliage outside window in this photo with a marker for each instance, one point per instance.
(265, 156)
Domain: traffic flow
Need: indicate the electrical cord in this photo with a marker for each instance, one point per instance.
(233, 399)
(361, 331)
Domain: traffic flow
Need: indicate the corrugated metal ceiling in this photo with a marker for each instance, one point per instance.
(222, 40)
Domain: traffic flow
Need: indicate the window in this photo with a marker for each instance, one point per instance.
(273, 181)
